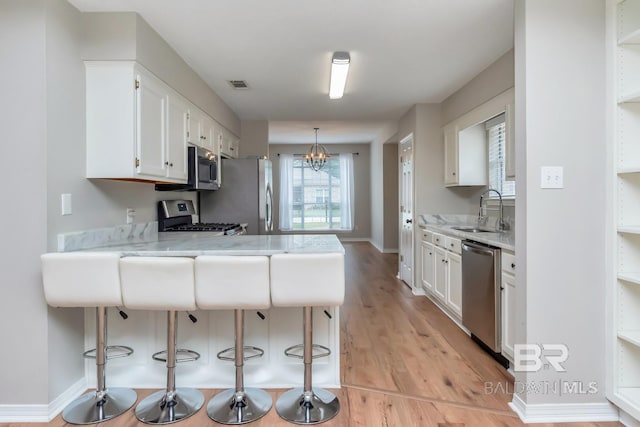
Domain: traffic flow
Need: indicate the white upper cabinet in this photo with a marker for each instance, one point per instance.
(136, 124)
(465, 143)
(228, 144)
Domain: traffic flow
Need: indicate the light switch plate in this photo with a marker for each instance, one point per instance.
(65, 201)
(551, 177)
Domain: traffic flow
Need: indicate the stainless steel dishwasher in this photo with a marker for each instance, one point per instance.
(481, 293)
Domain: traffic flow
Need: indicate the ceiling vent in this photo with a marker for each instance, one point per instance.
(238, 84)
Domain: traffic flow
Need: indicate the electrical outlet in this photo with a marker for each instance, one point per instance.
(65, 202)
(551, 177)
(131, 213)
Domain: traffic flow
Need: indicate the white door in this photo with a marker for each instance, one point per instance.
(428, 266)
(454, 282)
(406, 210)
(177, 124)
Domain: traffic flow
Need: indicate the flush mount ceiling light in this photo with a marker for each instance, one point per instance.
(339, 71)
(317, 155)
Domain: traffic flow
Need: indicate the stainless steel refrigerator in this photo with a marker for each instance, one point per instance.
(245, 196)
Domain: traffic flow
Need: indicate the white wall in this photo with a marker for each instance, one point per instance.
(362, 181)
(560, 121)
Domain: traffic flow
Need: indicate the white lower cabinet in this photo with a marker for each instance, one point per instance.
(428, 265)
(447, 277)
(508, 303)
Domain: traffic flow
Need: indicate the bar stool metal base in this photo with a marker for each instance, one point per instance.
(314, 407)
(96, 407)
(234, 408)
(163, 407)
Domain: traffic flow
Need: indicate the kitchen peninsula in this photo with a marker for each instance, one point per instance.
(272, 330)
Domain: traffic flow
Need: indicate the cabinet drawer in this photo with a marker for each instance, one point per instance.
(508, 263)
(440, 240)
(454, 245)
(427, 236)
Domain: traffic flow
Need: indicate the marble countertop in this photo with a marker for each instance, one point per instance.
(444, 223)
(195, 244)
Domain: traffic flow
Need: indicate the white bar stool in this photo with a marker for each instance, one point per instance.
(239, 283)
(163, 283)
(90, 280)
(293, 286)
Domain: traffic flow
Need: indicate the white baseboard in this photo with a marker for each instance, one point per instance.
(42, 413)
(418, 291)
(563, 412)
(628, 420)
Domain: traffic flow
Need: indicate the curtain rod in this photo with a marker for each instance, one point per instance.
(330, 154)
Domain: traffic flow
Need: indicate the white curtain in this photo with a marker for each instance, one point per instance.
(286, 191)
(346, 191)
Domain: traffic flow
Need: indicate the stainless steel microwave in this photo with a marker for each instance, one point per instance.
(202, 172)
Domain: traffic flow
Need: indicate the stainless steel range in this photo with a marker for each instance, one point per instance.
(176, 216)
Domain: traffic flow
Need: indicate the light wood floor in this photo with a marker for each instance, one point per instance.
(403, 362)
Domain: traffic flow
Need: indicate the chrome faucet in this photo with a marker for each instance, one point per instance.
(502, 225)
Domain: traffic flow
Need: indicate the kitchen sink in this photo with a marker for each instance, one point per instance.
(471, 229)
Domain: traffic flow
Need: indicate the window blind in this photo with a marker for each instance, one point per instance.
(497, 140)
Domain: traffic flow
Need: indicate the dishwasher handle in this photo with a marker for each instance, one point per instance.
(482, 250)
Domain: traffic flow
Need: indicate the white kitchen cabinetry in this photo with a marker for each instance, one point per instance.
(465, 143)
(202, 129)
(134, 124)
(508, 302)
(447, 284)
(623, 386)
(229, 144)
(428, 261)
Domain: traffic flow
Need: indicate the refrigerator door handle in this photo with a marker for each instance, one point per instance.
(269, 211)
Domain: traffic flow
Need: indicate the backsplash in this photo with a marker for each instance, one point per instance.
(119, 234)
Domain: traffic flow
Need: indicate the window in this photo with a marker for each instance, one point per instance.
(496, 138)
(321, 200)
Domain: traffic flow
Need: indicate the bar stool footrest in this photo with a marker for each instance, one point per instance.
(250, 352)
(182, 355)
(297, 351)
(112, 352)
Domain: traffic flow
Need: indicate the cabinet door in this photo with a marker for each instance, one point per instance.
(195, 125)
(177, 130)
(235, 147)
(440, 282)
(450, 155)
(507, 310)
(428, 266)
(207, 134)
(151, 110)
(510, 156)
(454, 283)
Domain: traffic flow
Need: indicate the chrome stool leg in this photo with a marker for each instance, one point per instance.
(102, 404)
(173, 404)
(240, 405)
(307, 405)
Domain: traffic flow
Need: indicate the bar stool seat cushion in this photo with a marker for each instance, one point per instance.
(73, 279)
(307, 280)
(158, 283)
(232, 282)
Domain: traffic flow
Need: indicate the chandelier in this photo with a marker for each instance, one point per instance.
(317, 155)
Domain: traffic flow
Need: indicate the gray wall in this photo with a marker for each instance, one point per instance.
(23, 376)
(362, 188)
(390, 192)
(43, 116)
(495, 79)
(562, 258)
(384, 188)
(254, 138)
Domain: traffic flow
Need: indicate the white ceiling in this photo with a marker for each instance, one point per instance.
(403, 52)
